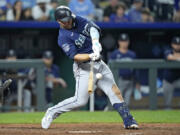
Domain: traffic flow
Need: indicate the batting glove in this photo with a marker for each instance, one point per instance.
(94, 56)
(96, 46)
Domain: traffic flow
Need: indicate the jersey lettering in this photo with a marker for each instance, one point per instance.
(80, 41)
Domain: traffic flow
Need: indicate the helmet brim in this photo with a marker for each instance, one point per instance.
(65, 19)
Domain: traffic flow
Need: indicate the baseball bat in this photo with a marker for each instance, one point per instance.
(91, 78)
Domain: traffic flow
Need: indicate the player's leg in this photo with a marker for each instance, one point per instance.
(126, 87)
(27, 100)
(168, 93)
(80, 99)
(108, 85)
(128, 92)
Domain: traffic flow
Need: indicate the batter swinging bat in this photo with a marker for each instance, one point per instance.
(91, 78)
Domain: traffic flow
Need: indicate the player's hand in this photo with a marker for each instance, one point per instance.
(94, 56)
(96, 46)
(62, 82)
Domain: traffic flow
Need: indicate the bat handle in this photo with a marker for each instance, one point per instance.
(91, 78)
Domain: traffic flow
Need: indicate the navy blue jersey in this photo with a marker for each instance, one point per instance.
(129, 55)
(170, 74)
(76, 40)
(53, 71)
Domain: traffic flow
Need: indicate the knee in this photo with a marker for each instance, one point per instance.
(81, 103)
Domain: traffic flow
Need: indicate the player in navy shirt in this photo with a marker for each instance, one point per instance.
(79, 39)
(126, 76)
(171, 76)
(52, 75)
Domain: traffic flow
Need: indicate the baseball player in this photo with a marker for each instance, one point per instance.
(171, 76)
(126, 76)
(79, 39)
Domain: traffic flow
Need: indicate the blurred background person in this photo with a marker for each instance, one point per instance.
(176, 17)
(27, 15)
(171, 76)
(54, 5)
(84, 8)
(15, 14)
(134, 14)
(25, 3)
(28, 85)
(146, 15)
(119, 16)
(40, 12)
(110, 9)
(63, 2)
(12, 74)
(126, 76)
(28, 3)
(52, 75)
(3, 9)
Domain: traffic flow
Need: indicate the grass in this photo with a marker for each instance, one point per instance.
(159, 116)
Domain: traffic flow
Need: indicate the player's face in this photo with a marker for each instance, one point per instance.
(48, 62)
(66, 25)
(176, 48)
(123, 44)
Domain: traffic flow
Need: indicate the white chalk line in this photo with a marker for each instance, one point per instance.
(84, 132)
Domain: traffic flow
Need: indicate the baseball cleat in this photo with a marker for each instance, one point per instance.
(46, 121)
(133, 126)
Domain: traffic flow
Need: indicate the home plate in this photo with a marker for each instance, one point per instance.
(84, 132)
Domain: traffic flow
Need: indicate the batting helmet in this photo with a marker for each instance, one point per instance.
(63, 13)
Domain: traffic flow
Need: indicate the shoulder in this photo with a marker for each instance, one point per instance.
(63, 33)
(132, 52)
(80, 19)
(63, 36)
(168, 52)
(115, 52)
(55, 67)
(131, 10)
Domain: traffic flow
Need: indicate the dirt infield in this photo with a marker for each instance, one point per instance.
(89, 129)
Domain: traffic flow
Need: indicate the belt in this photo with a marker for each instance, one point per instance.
(90, 61)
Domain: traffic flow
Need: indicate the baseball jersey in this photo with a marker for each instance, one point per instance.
(76, 40)
(53, 72)
(129, 55)
(171, 74)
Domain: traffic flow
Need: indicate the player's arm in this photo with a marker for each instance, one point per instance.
(86, 57)
(173, 57)
(81, 57)
(94, 34)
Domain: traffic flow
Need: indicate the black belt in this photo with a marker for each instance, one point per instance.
(90, 61)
